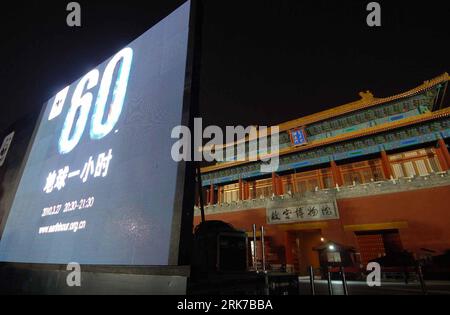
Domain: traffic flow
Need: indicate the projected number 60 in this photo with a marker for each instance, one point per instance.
(82, 101)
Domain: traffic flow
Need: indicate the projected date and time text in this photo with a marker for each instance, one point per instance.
(67, 207)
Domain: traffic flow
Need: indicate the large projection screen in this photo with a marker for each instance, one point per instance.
(99, 186)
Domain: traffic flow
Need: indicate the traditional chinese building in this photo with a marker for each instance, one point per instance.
(372, 176)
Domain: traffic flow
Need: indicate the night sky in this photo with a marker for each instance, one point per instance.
(263, 62)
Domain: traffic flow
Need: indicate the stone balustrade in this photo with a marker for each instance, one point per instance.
(354, 191)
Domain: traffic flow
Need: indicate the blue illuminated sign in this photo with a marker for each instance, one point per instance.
(298, 137)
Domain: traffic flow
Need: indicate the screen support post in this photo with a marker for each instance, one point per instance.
(196, 48)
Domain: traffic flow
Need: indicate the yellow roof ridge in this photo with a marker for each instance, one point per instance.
(367, 100)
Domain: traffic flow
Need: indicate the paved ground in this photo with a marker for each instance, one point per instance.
(387, 288)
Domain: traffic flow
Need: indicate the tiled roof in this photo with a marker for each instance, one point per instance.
(367, 100)
(348, 136)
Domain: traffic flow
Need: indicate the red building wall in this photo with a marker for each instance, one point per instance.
(426, 211)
